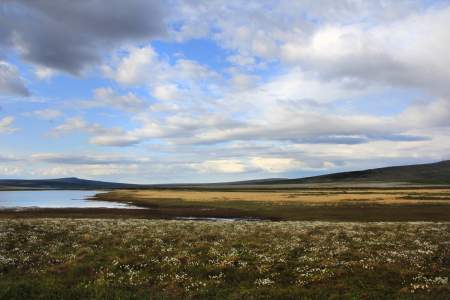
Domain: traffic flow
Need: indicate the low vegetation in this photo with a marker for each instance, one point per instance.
(124, 254)
(161, 259)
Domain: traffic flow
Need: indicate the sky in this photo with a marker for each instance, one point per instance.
(146, 91)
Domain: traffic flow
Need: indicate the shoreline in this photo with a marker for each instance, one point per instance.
(417, 213)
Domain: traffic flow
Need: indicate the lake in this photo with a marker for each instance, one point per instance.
(54, 199)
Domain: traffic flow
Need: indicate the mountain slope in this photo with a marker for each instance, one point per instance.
(433, 173)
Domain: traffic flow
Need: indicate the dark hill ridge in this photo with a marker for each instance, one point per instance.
(433, 173)
(62, 183)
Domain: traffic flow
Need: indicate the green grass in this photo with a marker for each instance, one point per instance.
(157, 259)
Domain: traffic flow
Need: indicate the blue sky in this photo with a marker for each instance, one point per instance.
(204, 91)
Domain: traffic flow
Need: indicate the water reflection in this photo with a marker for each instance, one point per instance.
(54, 199)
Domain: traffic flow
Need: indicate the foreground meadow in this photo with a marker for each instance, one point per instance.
(162, 259)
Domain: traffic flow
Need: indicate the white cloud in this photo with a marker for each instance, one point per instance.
(135, 68)
(106, 97)
(305, 92)
(242, 60)
(167, 81)
(276, 164)
(79, 124)
(256, 29)
(426, 115)
(166, 92)
(44, 73)
(100, 135)
(71, 124)
(243, 82)
(84, 171)
(288, 164)
(220, 166)
(10, 171)
(407, 52)
(6, 125)
(114, 140)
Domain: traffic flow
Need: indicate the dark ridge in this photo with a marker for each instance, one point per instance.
(62, 183)
(432, 173)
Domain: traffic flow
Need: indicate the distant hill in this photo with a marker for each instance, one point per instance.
(433, 173)
(62, 183)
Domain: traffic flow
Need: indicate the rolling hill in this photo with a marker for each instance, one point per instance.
(433, 173)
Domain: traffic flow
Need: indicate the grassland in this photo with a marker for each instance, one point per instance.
(283, 197)
(329, 243)
(332, 204)
(162, 259)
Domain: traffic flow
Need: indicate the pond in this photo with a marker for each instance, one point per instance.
(54, 199)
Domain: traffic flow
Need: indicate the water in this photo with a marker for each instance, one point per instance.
(54, 199)
(217, 219)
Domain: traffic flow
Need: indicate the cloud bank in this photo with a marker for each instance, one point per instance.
(213, 90)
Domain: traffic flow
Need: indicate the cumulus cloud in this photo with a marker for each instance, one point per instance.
(277, 118)
(393, 43)
(107, 97)
(114, 140)
(71, 124)
(10, 81)
(6, 125)
(276, 164)
(275, 22)
(81, 125)
(402, 53)
(166, 92)
(427, 114)
(167, 81)
(71, 35)
(100, 135)
(244, 81)
(44, 73)
(221, 166)
(135, 68)
(336, 86)
(287, 164)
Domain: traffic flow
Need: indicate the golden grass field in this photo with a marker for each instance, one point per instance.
(305, 196)
(324, 204)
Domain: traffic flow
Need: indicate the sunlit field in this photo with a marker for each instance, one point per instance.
(283, 196)
(161, 259)
(332, 204)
